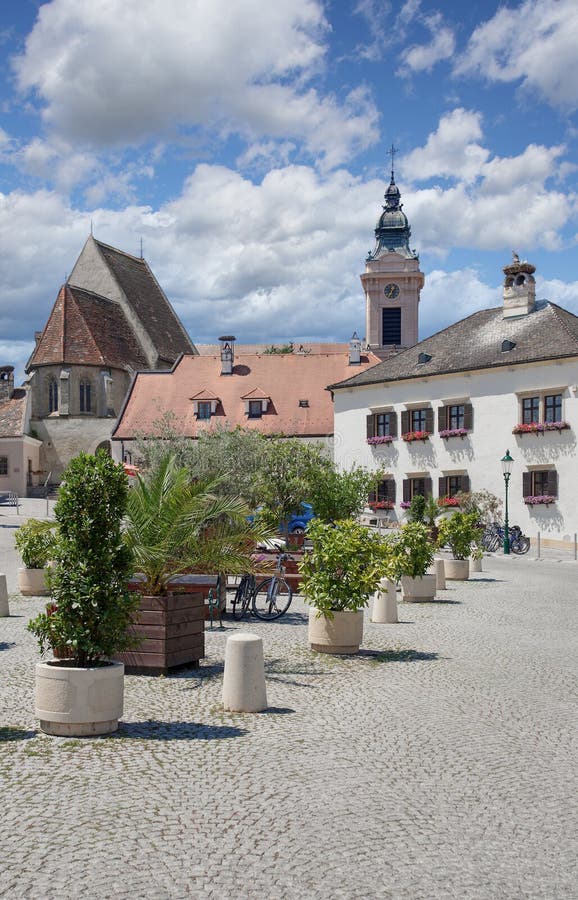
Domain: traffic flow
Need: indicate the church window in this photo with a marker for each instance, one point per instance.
(391, 326)
(52, 395)
(3, 465)
(85, 396)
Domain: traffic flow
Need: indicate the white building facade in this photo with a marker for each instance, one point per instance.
(438, 417)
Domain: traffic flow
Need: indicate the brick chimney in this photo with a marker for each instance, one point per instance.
(6, 382)
(519, 288)
(227, 354)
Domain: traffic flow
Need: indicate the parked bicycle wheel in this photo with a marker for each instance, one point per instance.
(243, 595)
(520, 545)
(272, 598)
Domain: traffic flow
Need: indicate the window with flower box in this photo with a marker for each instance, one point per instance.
(417, 421)
(381, 427)
(455, 419)
(383, 495)
(450, 485)
(541, 412)
(540, 486)
(418, 485)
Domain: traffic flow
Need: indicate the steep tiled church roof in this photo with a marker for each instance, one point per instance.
(149, 302)
(477, 342)
(86, 329)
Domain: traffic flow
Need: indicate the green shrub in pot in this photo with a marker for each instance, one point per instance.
(35, 541)
(459, 532)
(344, 566)
(412, 550)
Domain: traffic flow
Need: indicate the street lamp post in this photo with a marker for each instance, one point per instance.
(507, 461)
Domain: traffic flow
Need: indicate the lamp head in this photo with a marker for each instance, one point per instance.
(507, 462)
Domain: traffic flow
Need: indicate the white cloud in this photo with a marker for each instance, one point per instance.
(243, 65)
(452, 151)
(423, 57)
(534, 44)
(491, 202)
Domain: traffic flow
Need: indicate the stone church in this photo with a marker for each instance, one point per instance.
(110, 320)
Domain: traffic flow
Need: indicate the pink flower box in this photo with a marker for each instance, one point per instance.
(541, 499)
(380, 439)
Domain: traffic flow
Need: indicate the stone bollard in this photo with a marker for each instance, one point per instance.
(385, 603)
(440, 571)
(4, 607)
(244, 678)
(475, 564)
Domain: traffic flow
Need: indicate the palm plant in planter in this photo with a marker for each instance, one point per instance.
(81, 693)
(413, 553)
(459, 532)
(175, 527)
(35, 541)
(339, 574)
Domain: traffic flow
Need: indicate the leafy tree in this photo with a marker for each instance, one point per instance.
(91, 608)
(340, 495)
(285, 479)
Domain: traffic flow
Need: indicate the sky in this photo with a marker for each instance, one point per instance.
(246, 145)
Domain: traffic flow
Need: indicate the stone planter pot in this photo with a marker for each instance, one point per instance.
(340, 635)
(73, 702)
(418, 590)
(475, 565)
(385, 603)
(32, 582)
(457, 569)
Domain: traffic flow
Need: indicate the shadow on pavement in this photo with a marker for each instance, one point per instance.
(397, 656)
(16, 734)
(155, 730)
(5, 645)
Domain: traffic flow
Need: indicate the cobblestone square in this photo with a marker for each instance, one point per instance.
(439, 763)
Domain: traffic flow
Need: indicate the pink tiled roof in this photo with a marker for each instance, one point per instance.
(13, 414)
(285, 379)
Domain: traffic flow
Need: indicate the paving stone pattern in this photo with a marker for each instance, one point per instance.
(440, 763)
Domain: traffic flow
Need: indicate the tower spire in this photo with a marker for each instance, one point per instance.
(391, 152)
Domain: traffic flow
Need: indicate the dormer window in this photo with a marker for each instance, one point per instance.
(256, 403)
(255, 410)
(508, 345)
(205, 404)
(204, 410)
(304, 404)
(424, 358)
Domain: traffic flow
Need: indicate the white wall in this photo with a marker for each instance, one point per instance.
(493, 394)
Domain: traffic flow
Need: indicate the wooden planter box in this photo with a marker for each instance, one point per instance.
(172, 632)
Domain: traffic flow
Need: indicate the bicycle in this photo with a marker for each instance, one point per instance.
(494, 535)
(269, 599)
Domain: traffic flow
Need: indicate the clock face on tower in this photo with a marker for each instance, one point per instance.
(391, 291)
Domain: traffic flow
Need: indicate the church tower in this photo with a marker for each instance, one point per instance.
(392, 280)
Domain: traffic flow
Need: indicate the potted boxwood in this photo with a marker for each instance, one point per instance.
(81, 692)
(340, 573)
(413, 553)
(35, 541)
(176, 527)
(459, 532)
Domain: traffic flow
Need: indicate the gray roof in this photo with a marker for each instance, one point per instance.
(149, 302)
(548, 332)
